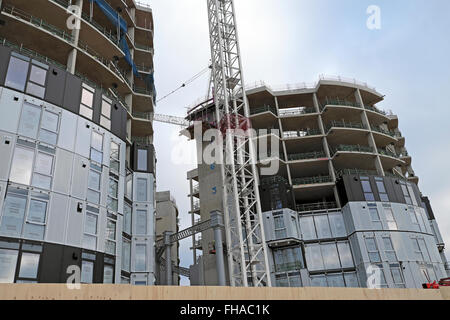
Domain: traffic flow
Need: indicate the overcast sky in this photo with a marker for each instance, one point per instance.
(292, 41)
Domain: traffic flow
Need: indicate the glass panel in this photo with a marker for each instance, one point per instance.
(127, 219)
(279, 222)
(388, 244)
(37, 211)
(141, 258)
(322, 226)
(313, 257)
(86, 112)
(90, 242)
(96, 156)
(294, 227)
(106, 123)
(34, 231)
(336, 280)
(29, 120)
(38, 75)
(97, 141)
(142, 160)
(351, 280)
(106, 109)
(424, 250)
(374, 257)
(124, 280)
(22, 165)
(392, 225)
(35, 90)
(90, 224)
(412, 195)
(29, 265)
(141, 222)
(384, 197)
(345, 254)
(141, 190)
(50, 121)
(129, 187)
(295, 281)
(93, 196)
(337, 225)
(48, 137)
(113, 188)
(13, 215)
(87, 271)
(112, 204)
(380, 186)
(111, 230)
(110, 247)
(8, 261)
(282, 281)
(319, 281)
(115, 151)
(40, 181)
(371, 244)
(87, 98)
(94, 180)
(43, 164)
(108, 274)
(366, 186)
(369, 197)
(397, 275)
(126, 255)
(17, 74)
(307, 227)
(330, 256)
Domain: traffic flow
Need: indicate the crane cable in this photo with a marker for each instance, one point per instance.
(188, 82)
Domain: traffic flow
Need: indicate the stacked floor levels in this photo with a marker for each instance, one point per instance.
(345, 198)
(77, 179)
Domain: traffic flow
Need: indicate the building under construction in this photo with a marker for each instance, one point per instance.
(345, 198)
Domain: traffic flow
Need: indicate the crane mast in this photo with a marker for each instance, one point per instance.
(246, 245)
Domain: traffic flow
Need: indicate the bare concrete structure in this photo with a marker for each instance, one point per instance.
(344, 198)
(167, 220)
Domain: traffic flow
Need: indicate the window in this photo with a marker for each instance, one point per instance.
(307, 227)
(392, 225)
(36, 219)
(129, 186)
(126, 254)
(110, 245)
(336, 280)
(294, 227)
(13, 214)
(87, 271)
(367, 188)
(105, 118)
(330, 256)
(43, 170)
(397, 275)
(124, 280)
(38, 75)
(142, 160)
(97, 147)
(282, 280)
(141, 189)
(87, 101)
(22, 165)
(319, 281)
(94, 184)
(374, 255)
(413, 214)
(127, 212)
(17, 72)
(280, 227)
(381, 189)
(383, 283)
(411, 194)
(291, 279)
(108, 274)
(345, 255)
(313, 256)
(115, 157)
(375, 217)
(8, 262)
(113, 193)
(337, 225)
(29, 264)
(49, 127)
(38, 123)
(389, 250)
(90, 228)
(141, 222)
(141, 258)
(351, 280)
(322, 227)
(405, 192)
(288, 259)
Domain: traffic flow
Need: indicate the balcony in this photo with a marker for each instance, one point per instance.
(196, 206)
(312, 180)
(317, 206)
(307, 156)
(302, 133)
(375, 109)
(384, 131)
(141, 140)
(258, 110)
(344, 124)
(143, 115)
(268, 181)
(352, 148)
(338, 102)
(292, 112)
(389, 153)
(359, 172)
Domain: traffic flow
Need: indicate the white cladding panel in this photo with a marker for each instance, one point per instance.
(63, 171)
(79, 178)
(57, 218)
(75, 220)
(83, 139)
(68, 131)
(7, 142)
(10, 108)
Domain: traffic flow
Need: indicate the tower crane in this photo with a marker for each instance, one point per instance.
(246, 246)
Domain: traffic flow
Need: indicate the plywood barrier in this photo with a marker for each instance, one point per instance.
(127, 292)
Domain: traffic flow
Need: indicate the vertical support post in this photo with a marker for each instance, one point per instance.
(217, 225)
(168, 246)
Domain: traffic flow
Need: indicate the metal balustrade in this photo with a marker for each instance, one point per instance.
(306, 155)
(388, 153)
(296, 111)
(344, 124)
(302, 133)
(312, 180)
(308, 207)
(262, 109)
(352, 148)
(339, 102)
(375, 109)
(267, 181)
(141, 140)
(143, 115)
(384, 131)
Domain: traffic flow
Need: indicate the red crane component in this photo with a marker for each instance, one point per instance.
(444, 282)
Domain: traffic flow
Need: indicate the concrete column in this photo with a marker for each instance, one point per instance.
(282, 141)
(217, 225)
(194, 250)
(72, 58)
(168, 254)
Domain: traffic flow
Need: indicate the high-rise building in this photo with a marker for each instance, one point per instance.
(77, 165)
(343, 203)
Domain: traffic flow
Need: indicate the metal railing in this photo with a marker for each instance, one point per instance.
(308, 207)
(267, 181)
(343, 124)
(384, 131)
(143, 115)
(312, 180)
(339, 102)
(195, 189)
(306, 155)
(296, 111)
(196, 206)
(262, 109)
(388, 153)
(302, 133)
(142, 90)
(403, 153)
(342, 172)
(375, 109)
(141, 140)
(143, 47)
(289, 266)
(352, 148)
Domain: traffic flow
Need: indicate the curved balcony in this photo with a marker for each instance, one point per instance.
(337, 102)
(352, 149)
(313, 189)
(317, 155)
(353, 156)
(344, 125)
(303, 133)
(383, 136)
(312, 180)
(296, 112)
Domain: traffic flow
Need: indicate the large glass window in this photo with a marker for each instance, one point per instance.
(367, 188)
(345, 255)
(115, 156)
(381, 189)
(141, 222)
(126, 254)
(110, 245)
(336, 280)
(142, 160)
(392, 224)
(90, 228)
(319, 281)
(288, 259)
(141, 189)
(97, 147)
(389, 249)
(141, 258)
(13, 214)
(17, 72)
(87, 102)
(49, 127)
(372, 249)
(397, 275)
(280, 227)
(29, 120)
(36, 219)
(43, 170)
(406, 195)
(108, 274)
(29, 264)
(375, 217)
(22, 165)
(113, 194)
(307, 227)
(36, 83)
(351, 280)
(337, 225)
(322, 227)
(330, 256)
(94, 184)
(127, 212)
(8, 262)
(314, 259)
(87, 271)
(105, 118)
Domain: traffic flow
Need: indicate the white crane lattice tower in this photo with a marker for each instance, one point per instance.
(246, 245)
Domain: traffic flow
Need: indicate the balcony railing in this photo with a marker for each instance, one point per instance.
(267, 181)
(388, 153)
(306, 156)
(352, 148)
(375, 109)
(404, 153)
(289, 266)
(296, 111)
(143, 115)
(312, 180)
(262, 109)
(302, 133)
(360, 172)
(339, 102)
(316, 206)
(141, 90)
(141, 140)
(143, 47)
(195, 189)
(384, 131)
(196, 206)
(343, 124)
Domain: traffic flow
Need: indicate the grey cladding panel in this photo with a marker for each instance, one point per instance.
(72, 93)
(51, 263)
(117, 122)
(5, 52)
(97, 106)
(56, 82)
(123, 134)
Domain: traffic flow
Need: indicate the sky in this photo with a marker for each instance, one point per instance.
(294, 41)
